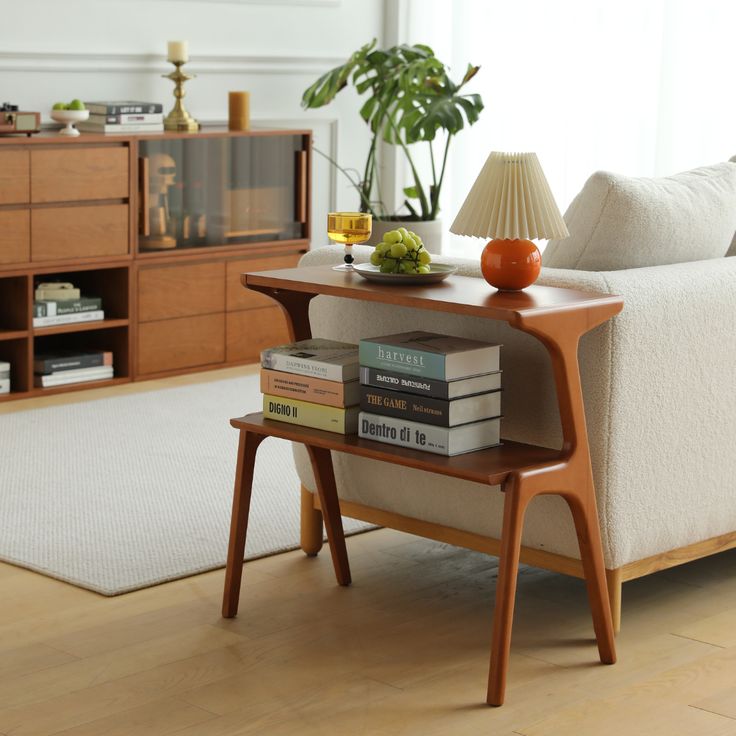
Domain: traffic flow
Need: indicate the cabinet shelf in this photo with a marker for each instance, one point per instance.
(13, 334)
(102, 324)
(79, 386)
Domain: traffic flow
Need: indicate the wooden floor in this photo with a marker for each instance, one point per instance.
(404, 651)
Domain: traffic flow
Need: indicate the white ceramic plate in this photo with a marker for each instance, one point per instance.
(437, 272)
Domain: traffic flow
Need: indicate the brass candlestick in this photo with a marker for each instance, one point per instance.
(179, 118)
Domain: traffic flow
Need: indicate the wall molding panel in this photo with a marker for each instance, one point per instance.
(64, 62)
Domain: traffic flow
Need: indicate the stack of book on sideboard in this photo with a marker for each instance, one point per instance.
(4, 377)
(123, 116)
(430, 392)
(61, 368)
(61, 303)
(313, 383)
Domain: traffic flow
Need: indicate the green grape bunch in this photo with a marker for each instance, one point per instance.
(401, 251)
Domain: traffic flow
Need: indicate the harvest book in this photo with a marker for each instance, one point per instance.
(430, 355)
(439, 412)
(328, 359)
(425, 437)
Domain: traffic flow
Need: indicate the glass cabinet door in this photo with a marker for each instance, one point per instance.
(200, 192)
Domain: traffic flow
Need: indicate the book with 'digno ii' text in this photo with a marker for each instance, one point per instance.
(430, 355)
(308, 414)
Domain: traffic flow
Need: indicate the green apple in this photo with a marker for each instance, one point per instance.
(76, 105)
(59, 106)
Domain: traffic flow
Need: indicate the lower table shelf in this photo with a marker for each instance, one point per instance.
(491, 466)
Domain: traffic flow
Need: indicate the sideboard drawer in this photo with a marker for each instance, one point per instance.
(14, 177)
(65, 233)
(249, 332)
(15, 236)
(238, 297)
(180, 291)
(188, 342)
(76, 174)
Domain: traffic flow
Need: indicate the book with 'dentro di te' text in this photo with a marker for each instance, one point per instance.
(308, 414)
(430, 355)
(428, 438)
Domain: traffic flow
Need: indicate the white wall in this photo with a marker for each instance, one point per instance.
(56, 50)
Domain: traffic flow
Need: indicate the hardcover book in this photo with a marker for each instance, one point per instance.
(131, 118)
(92, 127)
(430, 355)
(78, 375)
(426, 437)
(68, 319)
(307, 414)
(440, 412)
(430, 386)
(65, 360)
(308, 388)
(328, 359)
(50, 308)
(4, 385)
(124, 107)
(56, 291)
(4, 369)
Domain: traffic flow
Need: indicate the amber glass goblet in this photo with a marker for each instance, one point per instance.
(348, 228)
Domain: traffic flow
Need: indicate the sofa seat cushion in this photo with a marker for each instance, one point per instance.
(617, 222)
(732, 249)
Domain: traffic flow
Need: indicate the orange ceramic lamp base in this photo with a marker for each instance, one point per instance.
(510, 265)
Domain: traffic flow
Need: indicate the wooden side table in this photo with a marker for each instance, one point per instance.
(558, 318)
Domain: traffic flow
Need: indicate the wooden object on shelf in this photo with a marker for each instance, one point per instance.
(79, 210)
(558, 318)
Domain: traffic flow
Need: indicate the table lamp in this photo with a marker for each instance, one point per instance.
(510, 202)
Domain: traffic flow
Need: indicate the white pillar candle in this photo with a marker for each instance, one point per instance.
(178, 51)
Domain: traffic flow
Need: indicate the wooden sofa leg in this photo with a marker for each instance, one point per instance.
(312, 533)
(615, 583)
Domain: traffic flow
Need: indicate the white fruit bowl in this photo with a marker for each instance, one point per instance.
(69, 117)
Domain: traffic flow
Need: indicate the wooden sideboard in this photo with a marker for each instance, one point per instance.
(160, 226)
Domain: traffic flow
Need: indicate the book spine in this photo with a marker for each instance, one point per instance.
(52, 365)
(307, 414)
(307, 388)
(131, 128)
(145, 108)
(119, 119)
(68, 319)
(402, 360)
(405, 406)
(73, 376)
(51, 308)
(379, 378)
(304, 366)
(4, 385)
(404, 433)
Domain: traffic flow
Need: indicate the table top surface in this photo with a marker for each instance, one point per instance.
(457, 294)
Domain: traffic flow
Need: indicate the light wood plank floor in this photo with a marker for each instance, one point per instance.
(403, 651)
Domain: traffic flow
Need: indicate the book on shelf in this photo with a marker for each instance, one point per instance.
(431, 387)
(430, 355)
(429, 438)
(4, 369)
(64, 360)
(52, 308)
(127, 119)
(440, 412)
(4, 385)
(93, 127)
(69, 319)
(56, 291)
(328, 359)
(123, 107)
(307, 414)
(308, 388)
(76, 375)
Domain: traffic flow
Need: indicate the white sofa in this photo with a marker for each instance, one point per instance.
(659, 382)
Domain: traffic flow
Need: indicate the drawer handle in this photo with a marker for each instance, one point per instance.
(144, 197)
(301, 187)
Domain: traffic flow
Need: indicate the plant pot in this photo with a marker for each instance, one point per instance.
(430, 231)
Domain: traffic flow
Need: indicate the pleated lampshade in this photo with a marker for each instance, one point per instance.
(510, 199)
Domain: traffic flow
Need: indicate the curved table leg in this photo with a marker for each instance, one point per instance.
(247, 447)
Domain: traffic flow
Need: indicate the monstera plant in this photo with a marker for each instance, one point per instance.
(409, 98)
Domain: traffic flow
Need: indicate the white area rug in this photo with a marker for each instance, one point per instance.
(122, 493)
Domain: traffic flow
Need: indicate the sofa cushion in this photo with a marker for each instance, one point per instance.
(732, 249)
(618, 222)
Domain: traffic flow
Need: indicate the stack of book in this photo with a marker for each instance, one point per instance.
(313, 383)
(63, 367)
(4, 377)
(123, 117)
(63, 304)
(430, 392)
